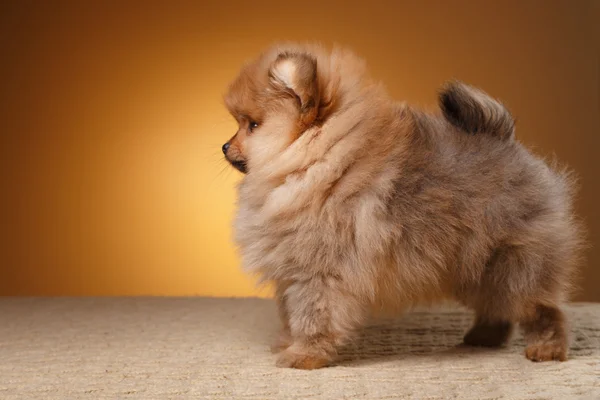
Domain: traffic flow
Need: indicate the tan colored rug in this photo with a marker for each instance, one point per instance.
(198, 348)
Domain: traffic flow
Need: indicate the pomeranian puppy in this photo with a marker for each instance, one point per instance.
(353, 203)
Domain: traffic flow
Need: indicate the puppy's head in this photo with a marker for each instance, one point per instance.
(274, 99)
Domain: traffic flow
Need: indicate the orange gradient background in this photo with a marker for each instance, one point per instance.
(112, 121)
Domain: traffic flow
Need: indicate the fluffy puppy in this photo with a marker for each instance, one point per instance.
(353, 203)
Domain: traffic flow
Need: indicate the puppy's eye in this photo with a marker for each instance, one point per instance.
(252, 125)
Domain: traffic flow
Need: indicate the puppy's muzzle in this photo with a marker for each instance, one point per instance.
(240, 165)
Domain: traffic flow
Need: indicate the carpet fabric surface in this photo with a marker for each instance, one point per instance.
(200, 348)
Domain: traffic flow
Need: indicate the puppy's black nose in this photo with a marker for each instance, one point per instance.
(225, 147)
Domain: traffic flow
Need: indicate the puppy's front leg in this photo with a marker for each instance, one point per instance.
(322, 317)
(284, 339)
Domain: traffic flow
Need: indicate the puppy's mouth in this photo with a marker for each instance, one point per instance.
(240, 166)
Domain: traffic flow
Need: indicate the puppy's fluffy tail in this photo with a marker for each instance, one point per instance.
(474, 111)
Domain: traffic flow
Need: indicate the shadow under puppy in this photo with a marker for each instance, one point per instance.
(353, 204)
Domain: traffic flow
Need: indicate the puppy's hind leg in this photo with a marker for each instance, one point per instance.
(545, 334)
(493, 305)
(488, 333)
(518, 285)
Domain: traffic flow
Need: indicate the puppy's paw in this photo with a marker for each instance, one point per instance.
(547, 351)
(291, 359)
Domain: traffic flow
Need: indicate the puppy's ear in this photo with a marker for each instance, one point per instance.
(296, 73)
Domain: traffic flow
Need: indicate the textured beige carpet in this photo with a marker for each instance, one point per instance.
(153, 348)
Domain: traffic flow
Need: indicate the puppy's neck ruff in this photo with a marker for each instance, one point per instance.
(315, 163)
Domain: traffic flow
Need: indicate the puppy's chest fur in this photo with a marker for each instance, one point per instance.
(320, 236)
(402, 220)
